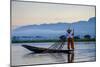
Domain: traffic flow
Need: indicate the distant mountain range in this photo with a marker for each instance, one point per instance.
(81, 28)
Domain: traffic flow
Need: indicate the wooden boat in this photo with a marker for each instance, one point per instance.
(44, 50)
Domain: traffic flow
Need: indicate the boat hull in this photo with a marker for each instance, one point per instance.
(44, 50)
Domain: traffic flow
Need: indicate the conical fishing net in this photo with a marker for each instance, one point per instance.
(59, 44)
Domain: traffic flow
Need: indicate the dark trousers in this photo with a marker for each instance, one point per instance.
(70, 43)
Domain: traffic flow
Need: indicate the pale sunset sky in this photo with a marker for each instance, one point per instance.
(28, 13)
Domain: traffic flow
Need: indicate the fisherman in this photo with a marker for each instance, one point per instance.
(70, 39)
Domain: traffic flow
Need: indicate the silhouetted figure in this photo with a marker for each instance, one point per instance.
(70, 39)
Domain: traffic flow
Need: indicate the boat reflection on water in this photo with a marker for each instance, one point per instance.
(53, 57)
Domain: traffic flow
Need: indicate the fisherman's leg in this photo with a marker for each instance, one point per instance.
(72, 43)
(68, 45)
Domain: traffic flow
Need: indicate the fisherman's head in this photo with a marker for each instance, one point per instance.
(69, 30)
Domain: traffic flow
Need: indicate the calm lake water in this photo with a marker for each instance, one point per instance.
(84, 52)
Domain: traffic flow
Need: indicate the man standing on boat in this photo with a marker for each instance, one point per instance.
(70, 39)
